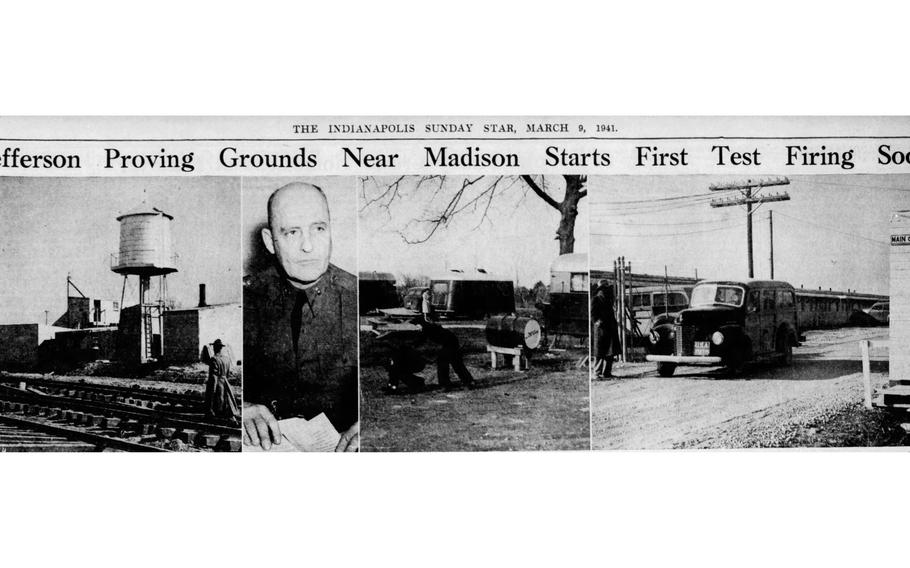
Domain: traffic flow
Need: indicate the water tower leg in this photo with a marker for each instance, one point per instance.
(162, 302)
(122, 292)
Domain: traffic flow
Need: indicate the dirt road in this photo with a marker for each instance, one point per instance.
(545, 408)
(701, 407)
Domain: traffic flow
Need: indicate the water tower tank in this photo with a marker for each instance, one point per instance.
(145, 243)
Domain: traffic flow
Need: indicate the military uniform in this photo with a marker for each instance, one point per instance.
(301, 346)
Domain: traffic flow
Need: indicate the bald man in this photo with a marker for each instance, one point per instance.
(300, 325)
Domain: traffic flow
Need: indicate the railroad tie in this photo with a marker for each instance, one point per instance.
(189, 435)
(210, 440)
(229, 444)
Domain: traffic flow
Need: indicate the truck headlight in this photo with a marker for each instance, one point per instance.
(654, 337)
(717, 338)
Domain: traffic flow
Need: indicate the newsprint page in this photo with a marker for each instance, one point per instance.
(464, 284)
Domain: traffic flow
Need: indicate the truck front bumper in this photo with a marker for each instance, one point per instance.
(684, 359)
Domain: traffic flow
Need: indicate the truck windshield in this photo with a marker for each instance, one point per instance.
(713, 294)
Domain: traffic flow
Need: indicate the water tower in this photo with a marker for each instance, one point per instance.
(146, 252)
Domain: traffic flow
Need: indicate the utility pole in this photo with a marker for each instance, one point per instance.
(749, 195)
(771, 237)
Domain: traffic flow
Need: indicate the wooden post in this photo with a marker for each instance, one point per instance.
(621, 297)
(867, 374)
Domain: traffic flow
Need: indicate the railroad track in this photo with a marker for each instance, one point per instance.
(146, 418)
(20, 434)
(109, 393)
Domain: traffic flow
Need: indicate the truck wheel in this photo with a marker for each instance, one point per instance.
(785, 349)
(666, 369)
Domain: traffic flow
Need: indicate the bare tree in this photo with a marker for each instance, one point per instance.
(448, 198)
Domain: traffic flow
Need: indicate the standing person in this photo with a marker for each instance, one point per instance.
(426, 305)
(605, 333)
(219, 398)
(300, 325)
(449, 354)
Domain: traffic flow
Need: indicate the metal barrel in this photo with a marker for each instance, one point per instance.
(513, 331)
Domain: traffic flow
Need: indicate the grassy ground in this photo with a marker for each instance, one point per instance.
(544, 408)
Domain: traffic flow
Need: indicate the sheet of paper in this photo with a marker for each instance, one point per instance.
(299, 435)
(315, 435)
(284, 446)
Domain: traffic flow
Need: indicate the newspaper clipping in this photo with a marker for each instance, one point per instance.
(417, 284)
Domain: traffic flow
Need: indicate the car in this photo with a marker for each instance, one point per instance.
(880, 311)
(413, 298)
(729, 323)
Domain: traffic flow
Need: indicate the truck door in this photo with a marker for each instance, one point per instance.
(753, 319)
(768, 320)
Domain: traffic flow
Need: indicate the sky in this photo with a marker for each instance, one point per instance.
(340, 193)
(53, 226)
(517, 241)
(833, 232)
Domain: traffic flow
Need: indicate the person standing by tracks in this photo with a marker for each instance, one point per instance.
(605, 336)
(219, 398)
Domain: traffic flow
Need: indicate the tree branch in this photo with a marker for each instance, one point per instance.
(540, 193)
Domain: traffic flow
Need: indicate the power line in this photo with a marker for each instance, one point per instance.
(855, 186)
(656, 208)
(668, 223)
(849, 234)
(660, 235)
(632, 201)
(655, 203)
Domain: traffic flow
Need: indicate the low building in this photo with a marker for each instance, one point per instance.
(82, 312)
(90, 344)
(187, 332)
(24, 345)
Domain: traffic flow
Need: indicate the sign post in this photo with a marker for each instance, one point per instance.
(899, 331)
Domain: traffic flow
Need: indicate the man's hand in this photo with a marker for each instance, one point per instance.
(259, 426)
(350, 439)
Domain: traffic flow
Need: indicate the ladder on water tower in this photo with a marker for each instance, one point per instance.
(147, 329)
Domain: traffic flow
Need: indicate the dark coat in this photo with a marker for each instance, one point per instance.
(219, 398)
(604, 333)
(319, 372)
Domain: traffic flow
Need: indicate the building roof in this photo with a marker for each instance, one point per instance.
(471, 275)
(572, 262)
(207, 307)
(751, 283)
(373, 275)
